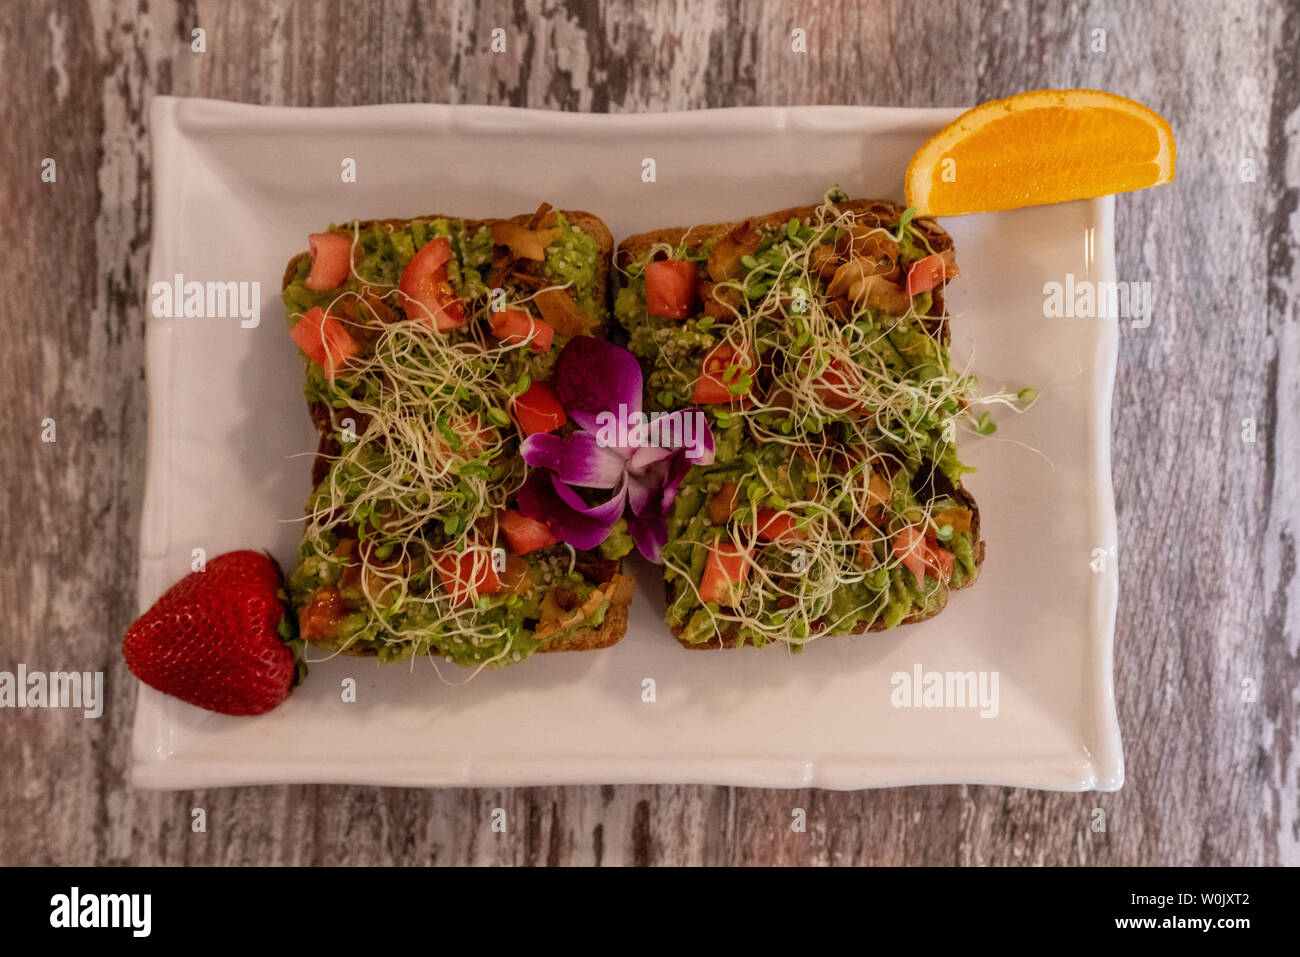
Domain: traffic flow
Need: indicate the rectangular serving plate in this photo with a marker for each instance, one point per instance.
(236, 191)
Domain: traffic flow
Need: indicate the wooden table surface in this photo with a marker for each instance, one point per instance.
(1210, 596)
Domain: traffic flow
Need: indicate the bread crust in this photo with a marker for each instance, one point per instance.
(886, 214)
(728, 638)
(618, 591)
(617, 588)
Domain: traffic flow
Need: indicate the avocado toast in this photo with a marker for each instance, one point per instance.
(429, 342)
(816, 339)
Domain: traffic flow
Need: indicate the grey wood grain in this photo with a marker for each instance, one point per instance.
(1208, 522)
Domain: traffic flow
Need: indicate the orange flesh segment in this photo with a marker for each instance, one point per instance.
(1061, 168)
(1044, 146)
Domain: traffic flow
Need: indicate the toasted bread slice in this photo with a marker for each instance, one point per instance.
(327, 447)
(880, 212)
(870, 211)
(618, 592)
(615, 588)
(728, 639)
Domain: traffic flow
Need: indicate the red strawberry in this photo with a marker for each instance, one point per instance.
(220, 638)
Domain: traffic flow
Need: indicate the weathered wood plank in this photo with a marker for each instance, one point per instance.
(1208, 522)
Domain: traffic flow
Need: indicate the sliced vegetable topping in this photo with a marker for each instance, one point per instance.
(774, 526)
(524, 534)
(324, 340)
(918, 552)
(426, 290)
(331, 260)
(670, 288)
(840, 386)
(463, 436)
(909, 548)
(467, 574)
(724, 375)
(538, 410)
(931, 271)
(725, 571)
(515, 327)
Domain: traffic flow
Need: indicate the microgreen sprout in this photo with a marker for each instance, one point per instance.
(847, 403)
(423, 483)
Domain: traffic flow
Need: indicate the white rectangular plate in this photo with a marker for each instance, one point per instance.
(238, 188)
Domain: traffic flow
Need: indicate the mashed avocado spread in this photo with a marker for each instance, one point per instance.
(834, 502)
(404, 551)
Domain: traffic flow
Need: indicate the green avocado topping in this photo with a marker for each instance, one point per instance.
(834, 410)
(403, 552)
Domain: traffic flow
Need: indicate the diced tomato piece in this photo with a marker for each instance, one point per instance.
(515, 326)
(918, 552)
(670, 288)
(929, 271)
(836, 386)
(708, 392)
(468, 574)
(524, 534)
(726, 568)
(722, 368)
(331, 260)
(939, 558)
(432, 256)
(426, 290)
(320, 618)
(538, 410)
(774, 526)
(909, 546)
(324, 339)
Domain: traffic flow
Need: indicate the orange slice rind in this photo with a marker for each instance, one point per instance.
(1044, 146)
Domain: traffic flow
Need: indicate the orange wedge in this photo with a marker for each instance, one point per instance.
(1044, 146)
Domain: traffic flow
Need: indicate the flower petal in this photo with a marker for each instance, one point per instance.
(650, 534)
(578, 460)
(645, 488)
(541, 450)
(586, 420)
(583, 526)
(686, 431)
(677, 469)
(594, 375)
(609, 510)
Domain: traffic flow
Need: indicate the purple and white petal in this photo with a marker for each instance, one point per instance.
(584, 528)
(577, 460)
(650, 534)
(647, 456)
(607, 511)
(586, 464)
(686, 431)
(541, 450)
(645, 489)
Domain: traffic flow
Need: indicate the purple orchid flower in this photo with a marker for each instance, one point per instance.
(616, 447)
